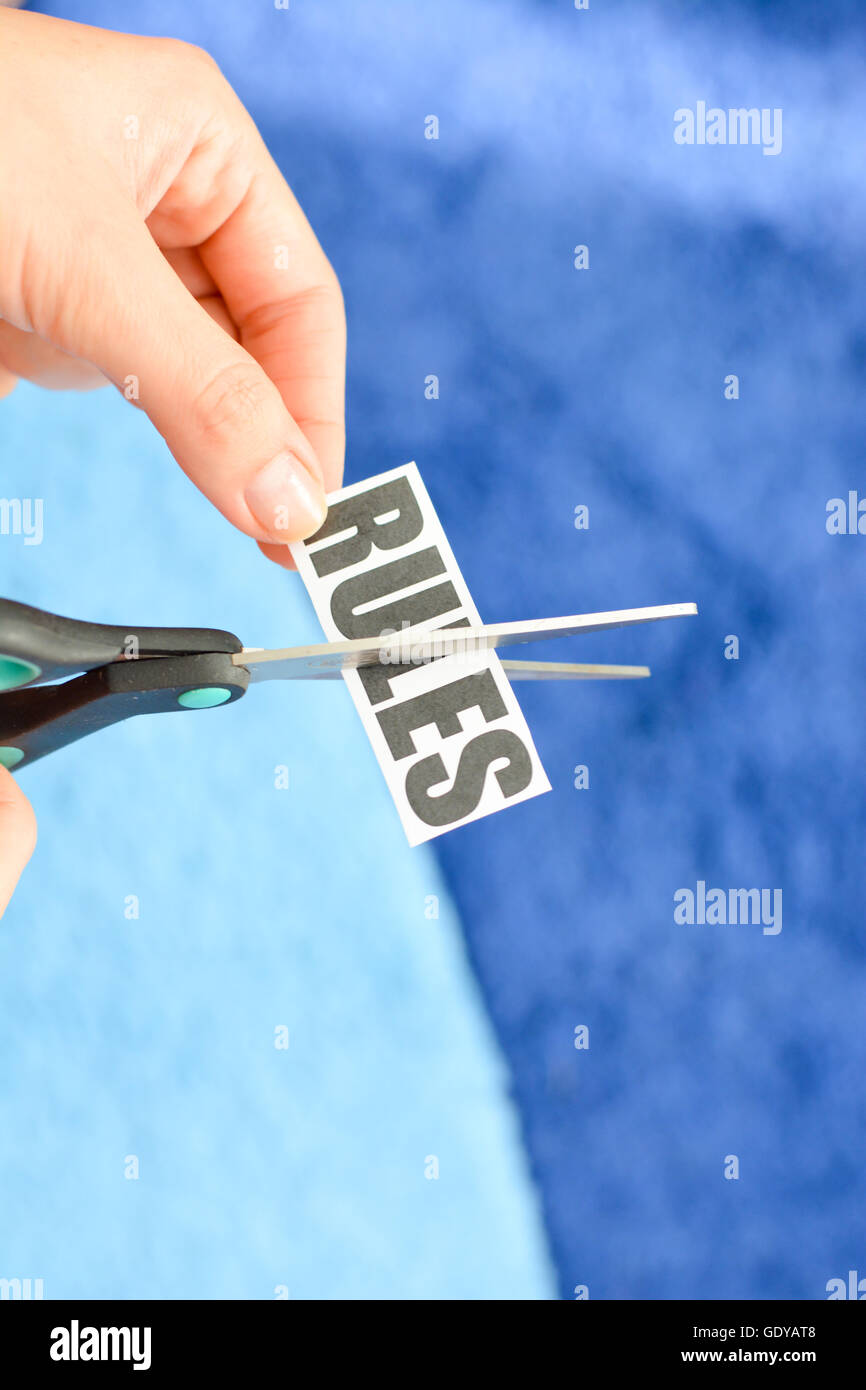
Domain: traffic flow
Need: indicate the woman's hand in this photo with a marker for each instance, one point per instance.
(17, 835)
(147, 236)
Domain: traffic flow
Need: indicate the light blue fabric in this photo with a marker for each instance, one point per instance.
(259, 907)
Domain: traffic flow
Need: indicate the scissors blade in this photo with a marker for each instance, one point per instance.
(570, 671)
(536, 671)
(413, 649)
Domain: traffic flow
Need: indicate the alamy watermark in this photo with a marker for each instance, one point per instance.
(739, 125)
(77, 1343)
(15, 1290)
(733, 907)
(852, 1287)
(404, 651)
(22, 516)
(846, 517)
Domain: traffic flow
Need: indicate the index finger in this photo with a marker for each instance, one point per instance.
(282, 293)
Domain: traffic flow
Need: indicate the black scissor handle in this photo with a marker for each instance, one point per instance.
(36, 646)
(40, 720)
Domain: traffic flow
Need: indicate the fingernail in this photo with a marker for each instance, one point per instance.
(286, 499)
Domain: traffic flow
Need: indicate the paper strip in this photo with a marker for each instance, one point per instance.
(449, 735)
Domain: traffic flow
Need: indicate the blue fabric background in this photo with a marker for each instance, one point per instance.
(602, 387)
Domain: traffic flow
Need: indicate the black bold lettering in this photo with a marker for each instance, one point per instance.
(362, 513)
(376, 678)
(441, 707)
(389, 579)
(465, 793)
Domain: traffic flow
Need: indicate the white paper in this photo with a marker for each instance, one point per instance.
(449, 735)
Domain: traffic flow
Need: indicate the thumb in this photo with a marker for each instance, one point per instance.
(220, 414)
(17, 835)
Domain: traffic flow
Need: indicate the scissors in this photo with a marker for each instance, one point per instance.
(117, 672)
